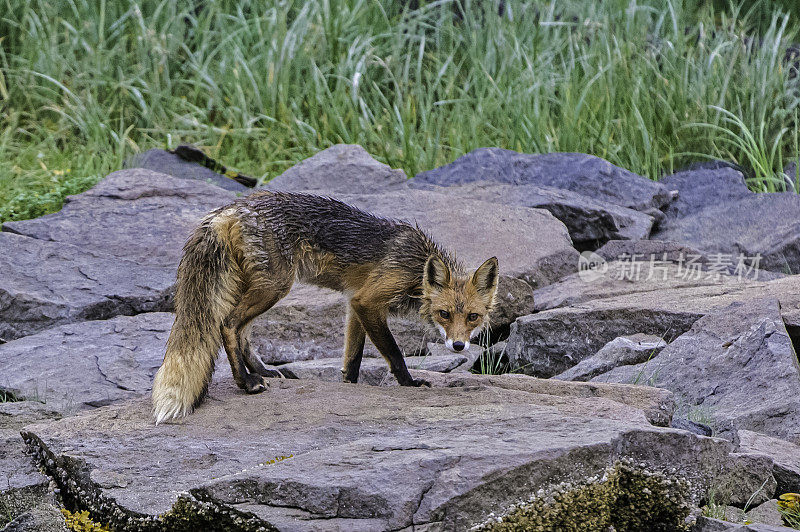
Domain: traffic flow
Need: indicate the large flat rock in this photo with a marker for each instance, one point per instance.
(550, 342)
(577, 172)
(590, 222)
(47, 283)
(737, 363)
(531, 244)
(309, 455)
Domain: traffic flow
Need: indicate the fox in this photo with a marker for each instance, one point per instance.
(244, 257)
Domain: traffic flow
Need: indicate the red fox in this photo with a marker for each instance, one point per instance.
(243, 258)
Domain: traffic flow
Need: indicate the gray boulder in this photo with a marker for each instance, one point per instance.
(580, 173)
(340, 169)
(738, 363)
(786, 456)
(764, 225)
(88, 364)
(550, 342)
(709, 524)
(310, 455)
(622, 351)
(701, 188)
(168, 163)
(137, 215)
(46, 283)
(590, 222)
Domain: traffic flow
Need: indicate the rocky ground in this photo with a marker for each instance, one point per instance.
(649, 330)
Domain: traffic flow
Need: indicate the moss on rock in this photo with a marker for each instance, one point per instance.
(627, 497)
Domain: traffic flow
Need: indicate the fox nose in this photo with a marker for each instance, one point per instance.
(458, 346)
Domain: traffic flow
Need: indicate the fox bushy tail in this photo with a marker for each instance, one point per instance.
(206, 291)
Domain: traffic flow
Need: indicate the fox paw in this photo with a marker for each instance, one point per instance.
(254, 383)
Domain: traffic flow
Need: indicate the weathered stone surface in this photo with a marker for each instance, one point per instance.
(373, 371)
(550, 342)
(529, 243)
(168, 163)
(138, 215)
(88, 364)
(361, 457)
(765, 513)
(17, 470)
(622, 351)
(51, 283)
(620, 278)
(340, 169)
(707, 524)
(741, 227)
(737, 362)
(685, 257)
(691, 426)
(577, 172)
(703, 187)
(786, 456)
(590, 222)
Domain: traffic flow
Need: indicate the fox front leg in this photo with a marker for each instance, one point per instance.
(373, 320)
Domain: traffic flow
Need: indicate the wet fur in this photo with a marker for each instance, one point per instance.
(243, 258)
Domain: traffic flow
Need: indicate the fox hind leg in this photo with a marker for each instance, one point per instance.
(355, 335)
(253, 303)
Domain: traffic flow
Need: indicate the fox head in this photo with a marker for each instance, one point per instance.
(458, 306)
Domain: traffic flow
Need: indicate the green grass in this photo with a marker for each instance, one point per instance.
(646, 84)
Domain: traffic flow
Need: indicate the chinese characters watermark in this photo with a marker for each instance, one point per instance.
(714, 267)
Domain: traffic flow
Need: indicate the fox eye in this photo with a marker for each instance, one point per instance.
(444, 314)
(472, 316)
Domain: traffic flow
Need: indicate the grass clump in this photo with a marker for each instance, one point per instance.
(646, 84)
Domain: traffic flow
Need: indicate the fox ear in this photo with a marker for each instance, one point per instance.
(436, 275)
(485, 278)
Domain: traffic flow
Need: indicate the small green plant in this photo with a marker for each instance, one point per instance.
(789, 507)
(7, 396)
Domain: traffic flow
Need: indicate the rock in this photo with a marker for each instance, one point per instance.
(168, 163)
(373, 371)
(621, 351)
(739, 228)
(583, 174)
(17, 470)
(307, 455)
(89, 364)
(707, 524)
(529, 243)
(701, 188)
(548, 343)
(137, 215)
(340, 169)
(695, 287)
(765, 513)
(631, 277)
(32, 512)
(45, 284)
(737, 362)
(590, 222)
(691, 426)
(786, 456)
